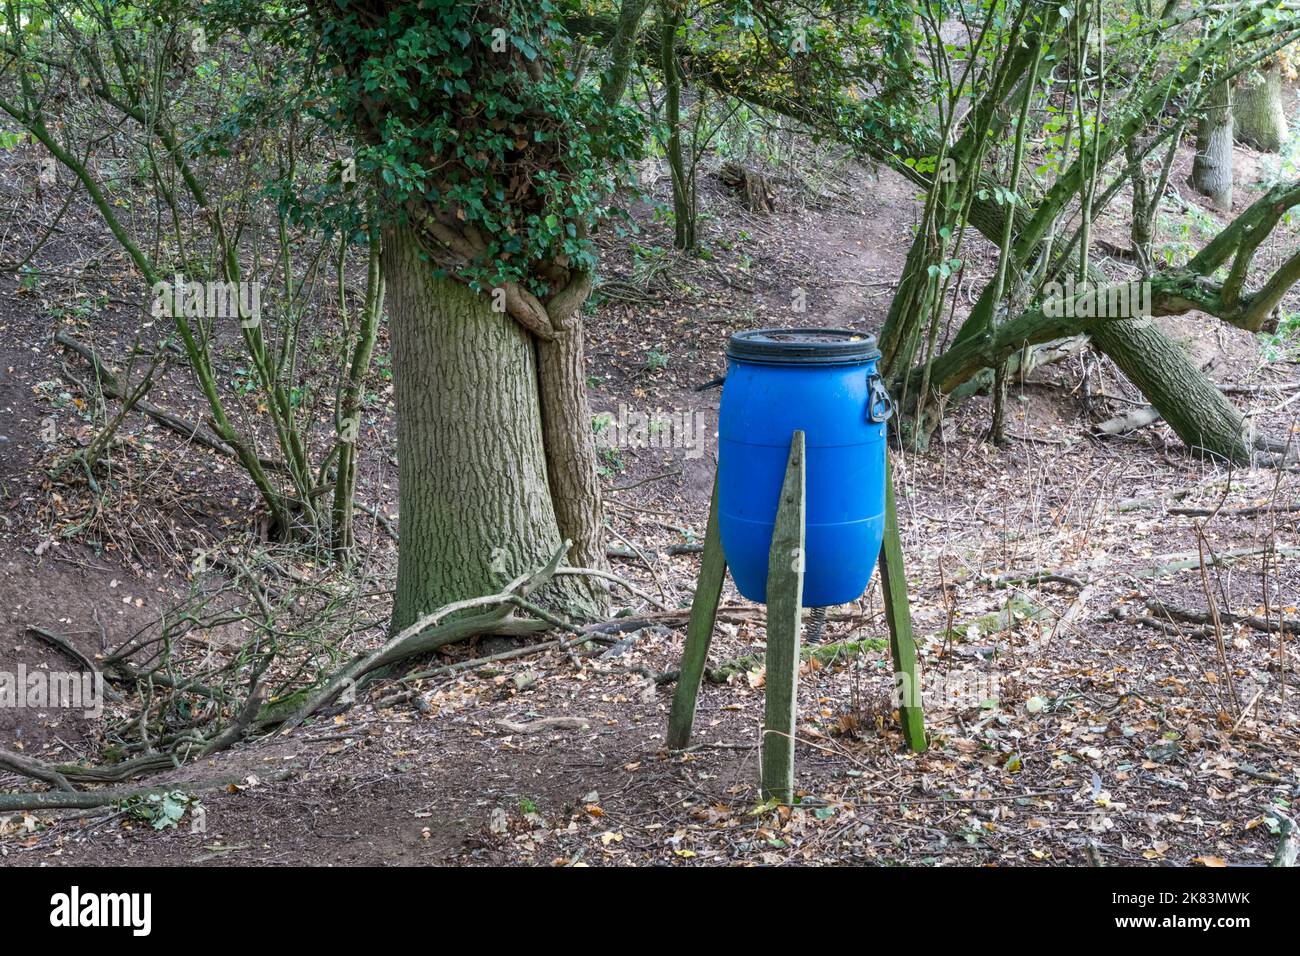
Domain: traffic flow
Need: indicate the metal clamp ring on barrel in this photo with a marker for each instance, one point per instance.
(880, 406)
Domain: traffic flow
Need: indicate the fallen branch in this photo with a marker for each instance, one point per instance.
(645, 481)
(1288, 845)
(606, 575)
(472, 663)
(67, 647)
(115, 773)
(824, 654)
(64, 775)
(1128, 422)
(658, 677)
(10, 802)
(730, 614)
(26, 767)
(381, 519)
(426, 635)
(1163, 570)
(1074, 579)
(1288, 625)
(544, 723)
(63, 644)
(1168, 627)
(1077, 578)
(429, 633)
(1237, 512)
(673, 550)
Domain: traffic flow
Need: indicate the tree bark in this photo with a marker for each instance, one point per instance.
(472, 485)
(348, 412)
(1142, 217)
(1203, 418)
(570, 444)
(621, 49)
(1260, 118)
(1212, 166)
(672, 13)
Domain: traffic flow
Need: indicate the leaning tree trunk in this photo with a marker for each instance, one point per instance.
(1212, 165)
(1203, 418)
(570, 444)
(1192, 404)
(1261, 120)
(473, 497)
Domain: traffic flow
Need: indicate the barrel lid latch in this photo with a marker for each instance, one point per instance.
(880, 406)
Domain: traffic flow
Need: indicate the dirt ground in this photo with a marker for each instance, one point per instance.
(1073, 719)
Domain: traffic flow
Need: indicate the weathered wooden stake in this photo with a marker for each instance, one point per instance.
(898, 614)
(784, 610)
(699, 631)
(785, 566)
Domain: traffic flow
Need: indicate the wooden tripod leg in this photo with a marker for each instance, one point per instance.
(699, 631)
(898, 614)
(785, 569)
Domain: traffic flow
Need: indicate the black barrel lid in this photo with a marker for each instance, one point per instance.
(802, 347)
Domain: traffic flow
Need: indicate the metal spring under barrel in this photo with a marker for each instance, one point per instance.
(816, 624)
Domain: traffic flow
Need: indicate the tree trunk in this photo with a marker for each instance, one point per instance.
(672, 13)
(570, 445)
(1193, 405)
(1212, 166)
(1203, 418)
(348, 412)
(909, 311)
(472, 488)
(1142, 218)
(1260, 118)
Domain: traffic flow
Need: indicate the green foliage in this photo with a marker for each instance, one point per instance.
(161, 811)
(611, 461)
(1284, 344)
(467, 110)
(852, 58)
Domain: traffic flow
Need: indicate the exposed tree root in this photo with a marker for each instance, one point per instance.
(431, 632)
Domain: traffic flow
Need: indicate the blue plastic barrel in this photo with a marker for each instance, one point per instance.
(823, 382)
